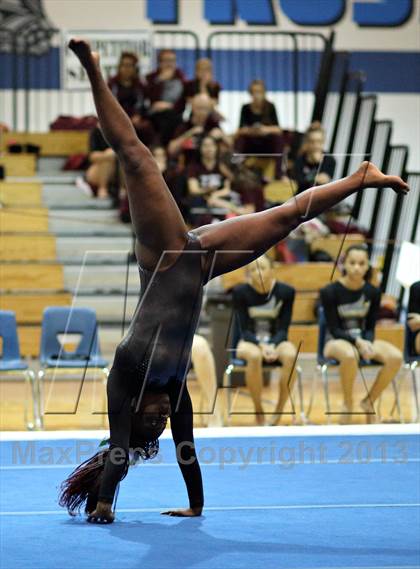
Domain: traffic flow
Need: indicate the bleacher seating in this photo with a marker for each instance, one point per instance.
(54, 143)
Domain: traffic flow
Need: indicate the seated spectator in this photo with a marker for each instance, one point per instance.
(351, 306)
(188, 135)
(203, 82)
(413, 316)
(259, 130)
(130, 91)
(175, 179)
(339, 220)
(165, 88)
(205, 371)
(264, 309)
(209, 180)
(312, 167)
(249, 184)
(101, 178)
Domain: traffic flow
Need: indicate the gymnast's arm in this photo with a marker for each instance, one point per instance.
(182, 432)
(116, 465)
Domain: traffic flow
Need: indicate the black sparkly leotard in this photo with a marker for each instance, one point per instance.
(156, 350)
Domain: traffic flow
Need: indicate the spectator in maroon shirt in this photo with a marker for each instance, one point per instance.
(130, 91)
(175, 179)
(165, 89)
(188, 134)
(204, 82)
(259, 130)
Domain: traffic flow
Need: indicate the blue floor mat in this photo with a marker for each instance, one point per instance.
(273, 502)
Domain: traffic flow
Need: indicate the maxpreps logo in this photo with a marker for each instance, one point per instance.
(377, 13)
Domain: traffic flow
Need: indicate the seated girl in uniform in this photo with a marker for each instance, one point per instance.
(264, 309)
(351, 306)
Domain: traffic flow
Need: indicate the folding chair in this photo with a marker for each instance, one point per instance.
(53, 357)
(12, 365)
(238, 365)
(411, 361)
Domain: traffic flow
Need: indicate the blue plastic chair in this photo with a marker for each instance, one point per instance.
(53, 356)
(238, 365)
(11, 364)
(325, 363)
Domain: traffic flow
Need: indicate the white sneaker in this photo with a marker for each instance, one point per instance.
(81, 184)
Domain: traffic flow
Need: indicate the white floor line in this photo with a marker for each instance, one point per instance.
(228, 508)
(244, 465)
(233, 432)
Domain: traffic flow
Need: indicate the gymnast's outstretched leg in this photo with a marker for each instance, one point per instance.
(236, 242)
(157, 221)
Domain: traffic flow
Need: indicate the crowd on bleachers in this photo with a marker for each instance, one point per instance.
(213, 174)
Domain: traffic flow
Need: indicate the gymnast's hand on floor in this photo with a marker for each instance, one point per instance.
(102, 514)
(188, 513)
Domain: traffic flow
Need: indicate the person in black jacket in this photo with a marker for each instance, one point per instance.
(351, 306)
(264, 309)
(413, 318)
(313, 167)
(259, 129)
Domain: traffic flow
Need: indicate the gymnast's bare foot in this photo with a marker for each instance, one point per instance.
(372, 177)
(81, 48)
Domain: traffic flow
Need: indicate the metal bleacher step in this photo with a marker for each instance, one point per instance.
(59, 177)
(93, 249)
(101, 277)
(90, 222)
(109, 307)
(69, 196)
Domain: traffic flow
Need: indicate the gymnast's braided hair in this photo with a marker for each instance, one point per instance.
(81, 487)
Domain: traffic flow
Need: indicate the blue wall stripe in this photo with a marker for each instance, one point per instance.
(389, 71)
(386, 71)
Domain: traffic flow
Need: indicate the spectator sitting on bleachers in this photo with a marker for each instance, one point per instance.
(259, 130)
(263, 307)
(312, 167)
(175, 179)
(129, 89)
(351, 306)
(203, 82)
(202, 359)
(187, 136)
(209, 181)
(165, 90)
(413, 317)
(101, 178)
